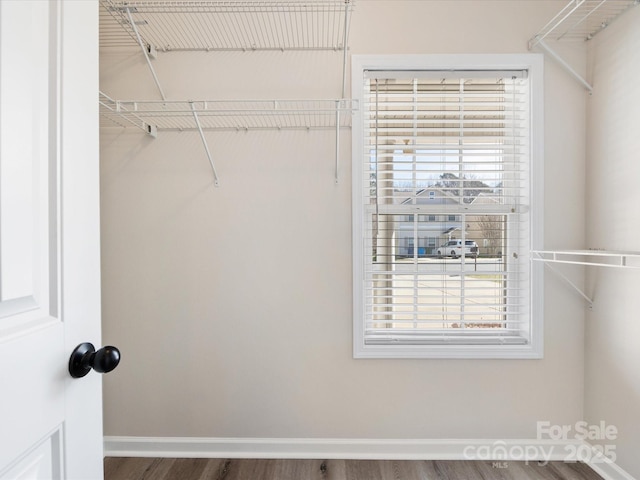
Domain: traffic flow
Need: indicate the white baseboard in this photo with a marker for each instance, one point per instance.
(362, 449)
(308, 448)
(606, 468)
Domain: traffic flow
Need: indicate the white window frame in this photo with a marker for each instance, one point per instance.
(533, 63)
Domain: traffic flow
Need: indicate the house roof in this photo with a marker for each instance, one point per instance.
(484, 197)
(444, 193)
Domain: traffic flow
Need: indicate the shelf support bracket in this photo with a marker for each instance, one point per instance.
(564, 64)
(145, 52)
(566, 279)
(337, 141)
(206, 146)
(347, 8)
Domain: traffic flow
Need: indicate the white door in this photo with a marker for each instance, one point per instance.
(50, 424)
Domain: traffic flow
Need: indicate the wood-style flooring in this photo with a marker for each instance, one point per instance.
(251, 469)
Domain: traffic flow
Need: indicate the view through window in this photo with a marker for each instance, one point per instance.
(446, 208)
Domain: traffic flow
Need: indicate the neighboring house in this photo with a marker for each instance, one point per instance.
(432, 229)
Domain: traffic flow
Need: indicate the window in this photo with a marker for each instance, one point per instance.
(456, 138)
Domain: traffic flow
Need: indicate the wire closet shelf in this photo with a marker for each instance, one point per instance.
(227, 115)
(588, 258)
(226, 25)
(580, 20)
(595, 258)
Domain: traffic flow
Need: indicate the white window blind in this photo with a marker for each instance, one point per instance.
(445, 210)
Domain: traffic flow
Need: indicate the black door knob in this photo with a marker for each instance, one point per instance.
(85, 357)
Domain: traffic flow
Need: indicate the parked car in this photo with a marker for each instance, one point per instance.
(453, 248)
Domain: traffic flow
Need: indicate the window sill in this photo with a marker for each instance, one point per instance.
(448, 351)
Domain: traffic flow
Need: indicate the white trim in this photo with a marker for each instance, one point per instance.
(306, 448)
(609, 470)
(606, 468)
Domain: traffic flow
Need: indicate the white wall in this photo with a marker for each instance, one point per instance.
(612, 329)
(232, 305)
